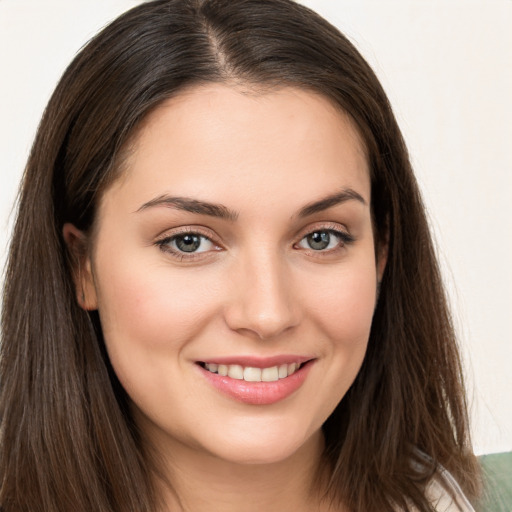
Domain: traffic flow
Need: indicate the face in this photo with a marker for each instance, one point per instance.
(233, 267)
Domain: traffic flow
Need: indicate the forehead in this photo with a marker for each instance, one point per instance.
(213, 138)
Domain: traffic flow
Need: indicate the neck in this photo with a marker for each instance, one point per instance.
(192, 480)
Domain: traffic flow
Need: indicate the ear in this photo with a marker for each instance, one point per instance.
(77, 245)
(381, 258)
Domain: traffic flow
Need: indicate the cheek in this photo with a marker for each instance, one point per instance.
(148, 316)
(345, 305)
(344, 312)
(340, 309)
(151, 305)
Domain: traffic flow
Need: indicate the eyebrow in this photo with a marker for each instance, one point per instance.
(191, 205)
(223, 212)
(341, 197)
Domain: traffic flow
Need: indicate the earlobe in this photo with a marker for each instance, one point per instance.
(77, 244)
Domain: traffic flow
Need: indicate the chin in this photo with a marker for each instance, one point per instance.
(269, 444)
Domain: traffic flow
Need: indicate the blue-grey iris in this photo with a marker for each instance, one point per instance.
(319, 240)
(188, 243)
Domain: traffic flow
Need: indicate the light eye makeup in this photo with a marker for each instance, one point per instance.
(187, 243)
(325, 240)
(191, 243)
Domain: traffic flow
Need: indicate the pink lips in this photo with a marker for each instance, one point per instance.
(259, 393)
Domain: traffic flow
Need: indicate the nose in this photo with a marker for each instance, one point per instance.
(263, 303)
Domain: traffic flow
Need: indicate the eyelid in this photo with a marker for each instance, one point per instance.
(339, 230)
(186, 230)
(336, 228)
(323, 226)
(169, 234)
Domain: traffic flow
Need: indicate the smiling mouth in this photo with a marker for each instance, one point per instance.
(253, 374)
(257, 381)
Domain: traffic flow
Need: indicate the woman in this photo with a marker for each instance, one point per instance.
(221, 292)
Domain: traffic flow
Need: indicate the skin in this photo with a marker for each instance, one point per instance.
(255, 287)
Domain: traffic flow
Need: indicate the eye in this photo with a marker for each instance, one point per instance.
(324, 240)
(186, 243)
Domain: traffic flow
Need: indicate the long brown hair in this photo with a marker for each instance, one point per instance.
(67, 439)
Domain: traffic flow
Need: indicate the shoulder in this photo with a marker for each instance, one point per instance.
(446, 495)
(443, 492)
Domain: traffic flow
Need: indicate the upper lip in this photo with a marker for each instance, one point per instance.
(258, 362)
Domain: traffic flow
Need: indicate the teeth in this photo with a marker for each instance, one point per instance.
(235, 371)
(270, 374)
(250, 374)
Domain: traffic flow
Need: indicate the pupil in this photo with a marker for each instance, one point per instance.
(319, 240)
(188, 243)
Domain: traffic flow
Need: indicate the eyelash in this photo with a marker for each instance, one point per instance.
(344, 239)
(163, 244)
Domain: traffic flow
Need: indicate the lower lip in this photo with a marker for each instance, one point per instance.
(258, 393)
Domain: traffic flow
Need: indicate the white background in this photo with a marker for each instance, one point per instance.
(447, 68)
